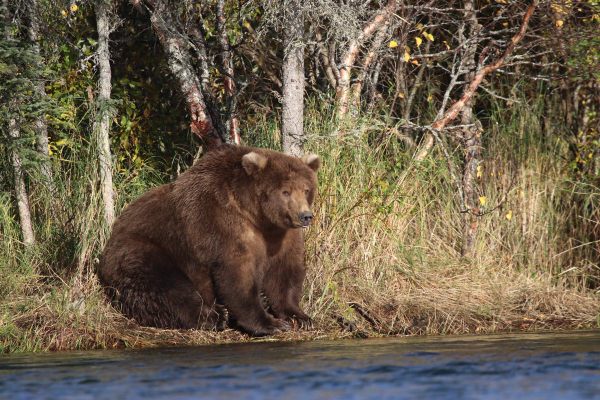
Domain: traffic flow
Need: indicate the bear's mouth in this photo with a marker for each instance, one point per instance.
(295, 224)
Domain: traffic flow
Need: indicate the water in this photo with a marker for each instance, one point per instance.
(523, 366)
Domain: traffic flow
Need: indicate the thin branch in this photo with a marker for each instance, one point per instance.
(455, 109)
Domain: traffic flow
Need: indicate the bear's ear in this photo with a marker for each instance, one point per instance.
(253, 162)
(313, 161)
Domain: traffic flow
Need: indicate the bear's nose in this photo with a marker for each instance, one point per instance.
(306, 217)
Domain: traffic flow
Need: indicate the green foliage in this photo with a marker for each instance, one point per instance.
(21, 69)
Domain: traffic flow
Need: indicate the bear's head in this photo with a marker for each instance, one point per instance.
(285, 186)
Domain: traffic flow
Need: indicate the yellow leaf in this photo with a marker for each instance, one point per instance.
(447, 45)
(247, 25)
(414, 62)
(63, 13)
(508, 215)
(393, 44)
(479, 171)
(559, 23)
(482, 200)
(419, 41)
(505, 24)
(429, 98)
(406, 56)
(420, 26)
(401, 95)
(428, 36)
(74, 7)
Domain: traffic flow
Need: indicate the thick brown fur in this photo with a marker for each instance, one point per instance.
(225, 231)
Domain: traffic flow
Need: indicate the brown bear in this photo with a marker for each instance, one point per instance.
(208, 245)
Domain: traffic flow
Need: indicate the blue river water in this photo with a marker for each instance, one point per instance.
(515, 366)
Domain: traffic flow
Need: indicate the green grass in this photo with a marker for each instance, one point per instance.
(386, 238)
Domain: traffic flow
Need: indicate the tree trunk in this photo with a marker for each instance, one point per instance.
(18, 173)
(40, 125)
(102, 123)
(293, 79)
(368, 60)
(233, 122)
(349, 58)
(180, 63)
(471, 136)
(20, 190)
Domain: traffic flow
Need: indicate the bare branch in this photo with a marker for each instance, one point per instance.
(453, 111)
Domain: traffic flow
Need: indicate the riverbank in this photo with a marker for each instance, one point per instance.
(79, 318)
(383, 252)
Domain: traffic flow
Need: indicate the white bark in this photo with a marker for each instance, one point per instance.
(181, 66)
(349, 57)
(102, 124)
(471, 136)
(18, 173)
(20, 190)
(233, 121)
(293, 79)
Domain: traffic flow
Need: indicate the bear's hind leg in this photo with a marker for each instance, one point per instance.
(147, 287)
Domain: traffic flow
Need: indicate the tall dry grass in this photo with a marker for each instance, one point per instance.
(388, 235)
(382, 254)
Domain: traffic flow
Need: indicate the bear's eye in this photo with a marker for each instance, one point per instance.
(306, 192)
(286, 193)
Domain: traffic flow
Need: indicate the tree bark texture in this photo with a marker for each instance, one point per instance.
(349, 58)
(293, 79)
(368, 60)
(102, 123)
(180, 63)
(19, 175)
(471, 137)
(233, 121)
(20, 189)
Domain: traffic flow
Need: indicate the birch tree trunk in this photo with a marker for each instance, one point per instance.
(20, 190)
(233, 122)
(180, 63)
(40, 124)
(293, 79)
(349, 57)
(18, 173)
(471, 136)
(368, 60)
(102, 123)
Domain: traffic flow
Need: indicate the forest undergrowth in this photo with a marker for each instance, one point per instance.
(383, 252)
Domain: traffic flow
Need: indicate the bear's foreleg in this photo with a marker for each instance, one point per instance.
(237, 285)
(283, 288)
